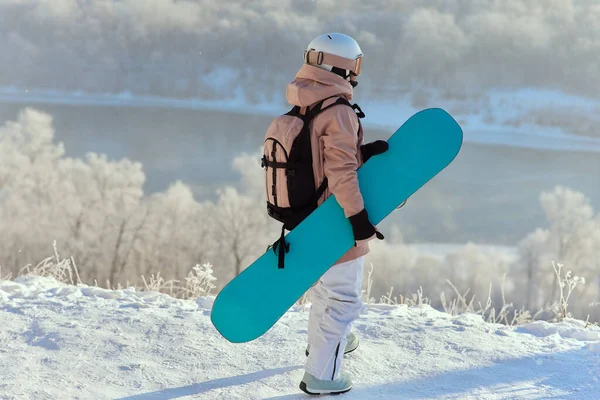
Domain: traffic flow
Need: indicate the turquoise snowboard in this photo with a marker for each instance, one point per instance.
(257, 298)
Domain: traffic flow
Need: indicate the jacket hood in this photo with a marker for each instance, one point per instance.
(313, 84)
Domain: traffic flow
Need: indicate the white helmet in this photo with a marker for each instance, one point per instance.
(337, 53)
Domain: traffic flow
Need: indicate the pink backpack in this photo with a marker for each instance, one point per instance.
(289, 178)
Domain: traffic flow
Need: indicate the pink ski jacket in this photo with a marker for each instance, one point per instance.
(336, 137)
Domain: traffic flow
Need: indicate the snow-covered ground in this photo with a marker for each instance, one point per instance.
(63, 342)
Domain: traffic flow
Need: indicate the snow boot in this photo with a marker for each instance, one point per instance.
(314, 386)
(350, 346)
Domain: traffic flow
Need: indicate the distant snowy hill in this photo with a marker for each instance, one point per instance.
(381, 114)
(63, 342)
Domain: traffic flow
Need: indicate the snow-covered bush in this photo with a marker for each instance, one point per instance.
(62, 269)
(572, 238)
(199, 281)
(566, 286)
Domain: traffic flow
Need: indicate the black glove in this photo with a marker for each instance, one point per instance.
(363, 229)
(372, 149)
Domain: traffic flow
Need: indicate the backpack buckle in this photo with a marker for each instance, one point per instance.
(290, 172)
(358, 111)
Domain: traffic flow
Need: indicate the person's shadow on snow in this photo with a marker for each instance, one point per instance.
(539, 377)
(202, 387)
(542, 376)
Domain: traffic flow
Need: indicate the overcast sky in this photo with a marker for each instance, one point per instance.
(466, 50)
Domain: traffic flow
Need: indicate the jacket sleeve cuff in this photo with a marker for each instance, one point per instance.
(361, 226)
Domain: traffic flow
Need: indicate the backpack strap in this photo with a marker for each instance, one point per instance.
(295, 111)
(320, 190)
(283, 248)
(280, 243)
(273, 164)
(359, 112)
(318, 108)
(310, 114)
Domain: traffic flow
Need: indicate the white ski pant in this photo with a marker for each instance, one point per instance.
(336, 303)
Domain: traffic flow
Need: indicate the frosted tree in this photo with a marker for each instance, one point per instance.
(475, 268)
(30, 187)
(571, 231)
(252, 175)
(175, 234)
(82, 204)
(533, 257)
(103, 199)
(393, 272)
(242, 227)
(96, 211)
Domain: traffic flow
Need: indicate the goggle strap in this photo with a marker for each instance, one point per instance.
(318, 58)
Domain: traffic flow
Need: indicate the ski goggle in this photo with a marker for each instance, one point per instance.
(318, 58)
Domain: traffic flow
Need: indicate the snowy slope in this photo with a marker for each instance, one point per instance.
(62, 342)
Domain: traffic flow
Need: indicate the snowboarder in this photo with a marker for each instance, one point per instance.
(323, 87)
